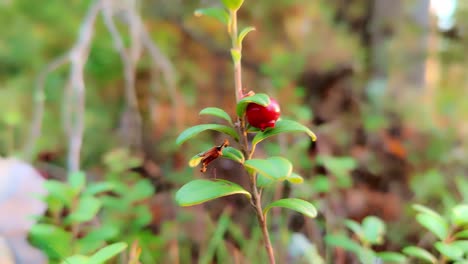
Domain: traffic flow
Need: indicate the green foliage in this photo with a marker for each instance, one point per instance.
(450, 244)
(217, 13)
(243, 34)
(369, 233)
(117, 203)
(233, 5)
(214, 111)
(200, 191)
(283, 126)
(295, 204)
(274, 168)
(195, 130)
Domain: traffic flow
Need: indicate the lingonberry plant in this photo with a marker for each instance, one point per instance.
(256, 113)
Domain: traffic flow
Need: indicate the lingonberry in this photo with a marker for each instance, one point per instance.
(263, 116)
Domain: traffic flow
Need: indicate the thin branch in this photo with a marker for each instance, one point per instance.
(39, 99)
(129, 60)
(78, 57)
(163, 65)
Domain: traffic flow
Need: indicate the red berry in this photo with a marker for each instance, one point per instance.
(263, 116)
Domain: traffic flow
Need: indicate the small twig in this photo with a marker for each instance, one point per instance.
(75, 113)
(129, 59)
(39, 100)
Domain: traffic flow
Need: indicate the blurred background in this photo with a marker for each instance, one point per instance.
(105, 86)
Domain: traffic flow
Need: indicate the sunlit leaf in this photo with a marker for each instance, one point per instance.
(424, 209)
(419, 253)
(295, 204)
(96, 238)
(52, 240)
(260, 99)
(233, 154)
(460, 215)
(374, 229)
(392, 257)
(355, 227)
(232, 4)
(244, 33)
(283, 126)
(99, 187)
(461, 244)
(107, 252)
(88, 207)
(275, 168)
(343, 241)
(462, 234)
(200, 191)
(77, 181)
(195, 130)
(214, 12)
(450, 251)
(218, 112)
(295, 178)
(76, 259)
(59, 190)
(436, 225)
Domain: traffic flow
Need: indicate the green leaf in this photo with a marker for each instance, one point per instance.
(218, 112)
(200, 191)
(424, 209)
(460, 215)
(99, 187)
(340, 167)
(232, 4)
(275, 168)
(295, 178)
(260, 99)
(96, 238)
(107, 253)
(236, 56)
(355, 227)
(76, 259)
(59, 190)
(88, 207)
(233, 154)
(419, 253)
(295, 204)
(434, 224)
(462, 234)
(195, 130)
(77, 181)
(263, 181)
(142, 189)
(195, 160)
(374, 230)
(244, 33)
(449, 250)
(283, 126)
(342, 241)
(462, 245)
(391, 257)
(214, 12)
(52, 240)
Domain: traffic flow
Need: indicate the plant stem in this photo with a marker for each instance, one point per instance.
(256, 197)
(237, 64)
(262, 221)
